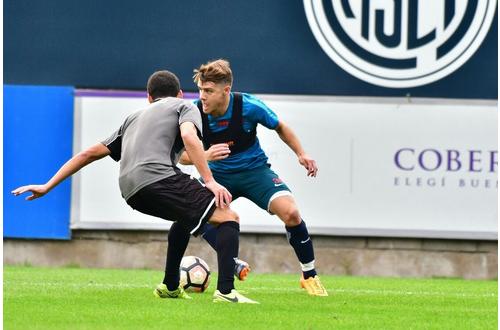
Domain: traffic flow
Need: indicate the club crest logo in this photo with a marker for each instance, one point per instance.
(400, 43)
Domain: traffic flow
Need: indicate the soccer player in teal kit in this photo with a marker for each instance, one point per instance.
(238, 162)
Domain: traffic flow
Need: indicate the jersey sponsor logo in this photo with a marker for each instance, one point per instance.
(278, 182)
(400, 43)
(229, 143)
(223, 123)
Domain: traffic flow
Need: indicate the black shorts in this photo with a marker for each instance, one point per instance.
(180, 198)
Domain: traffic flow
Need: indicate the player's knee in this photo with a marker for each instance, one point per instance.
(230, 215)
(291, 217)
(235, 216)
(222, 215)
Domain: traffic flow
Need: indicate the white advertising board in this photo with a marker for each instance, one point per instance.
(387, 167)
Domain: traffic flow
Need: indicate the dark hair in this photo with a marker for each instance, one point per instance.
(162, 84)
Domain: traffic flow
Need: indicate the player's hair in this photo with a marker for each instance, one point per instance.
(163, 84)
(217, 71)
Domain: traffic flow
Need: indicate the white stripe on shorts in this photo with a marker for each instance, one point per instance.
(276, 195)
(197, 179)
(204, 214)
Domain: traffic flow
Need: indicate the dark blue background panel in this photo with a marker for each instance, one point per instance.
(38, 139)
(119, 43)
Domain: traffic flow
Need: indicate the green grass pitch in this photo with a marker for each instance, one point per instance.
(74, 298)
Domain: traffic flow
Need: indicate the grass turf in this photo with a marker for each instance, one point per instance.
(74, 298)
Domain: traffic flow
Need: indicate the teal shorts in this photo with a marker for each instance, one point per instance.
(260, 185)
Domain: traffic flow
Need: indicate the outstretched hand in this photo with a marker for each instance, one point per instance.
(222, 196)
(37, 191)
(309, 164)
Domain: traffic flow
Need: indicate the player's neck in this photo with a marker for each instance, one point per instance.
(223, 107)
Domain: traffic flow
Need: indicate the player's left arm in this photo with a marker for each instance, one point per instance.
(290, 138)
(72, 166)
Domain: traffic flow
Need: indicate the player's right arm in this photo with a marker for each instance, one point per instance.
(82, 159)
(196, 155)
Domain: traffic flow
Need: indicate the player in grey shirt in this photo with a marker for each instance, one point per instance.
(148, 145)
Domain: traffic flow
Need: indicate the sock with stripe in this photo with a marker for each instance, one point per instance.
(299, 239)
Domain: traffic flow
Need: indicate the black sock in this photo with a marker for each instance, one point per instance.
(209, 234)
(178, 239)
(227, 250)
(299, 239)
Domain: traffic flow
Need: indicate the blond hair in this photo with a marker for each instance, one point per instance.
(218, 71)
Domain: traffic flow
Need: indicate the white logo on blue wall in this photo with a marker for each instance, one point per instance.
(400, 43)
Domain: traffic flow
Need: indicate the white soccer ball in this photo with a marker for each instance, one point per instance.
(195, 274)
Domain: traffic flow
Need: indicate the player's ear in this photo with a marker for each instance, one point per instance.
(227, 89)
(150, 99)
(180, 94)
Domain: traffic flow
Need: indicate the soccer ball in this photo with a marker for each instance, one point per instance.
(195, 274)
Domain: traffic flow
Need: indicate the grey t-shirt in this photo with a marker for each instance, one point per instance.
(148, 144)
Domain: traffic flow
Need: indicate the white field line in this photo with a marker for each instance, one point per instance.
(82, 285)
(389, 292)
(418, 293)
(91, 285)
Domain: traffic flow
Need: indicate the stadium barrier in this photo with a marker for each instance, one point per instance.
(389, 167)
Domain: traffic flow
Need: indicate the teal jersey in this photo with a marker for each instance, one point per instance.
(254, 112)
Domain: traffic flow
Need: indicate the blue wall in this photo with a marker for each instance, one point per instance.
(38, 139)
(118, 43)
